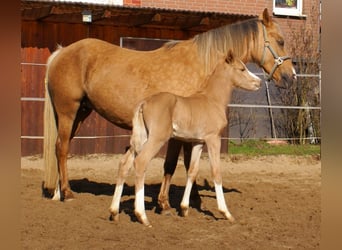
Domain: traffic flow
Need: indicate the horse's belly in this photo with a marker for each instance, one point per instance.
(117, 100)
(187, 134)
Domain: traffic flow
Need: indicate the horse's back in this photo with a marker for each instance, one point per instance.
(114, 79)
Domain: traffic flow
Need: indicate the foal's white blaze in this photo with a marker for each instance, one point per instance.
(257, 79)
(252, 75)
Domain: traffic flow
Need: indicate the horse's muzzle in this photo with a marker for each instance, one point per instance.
(286, 81)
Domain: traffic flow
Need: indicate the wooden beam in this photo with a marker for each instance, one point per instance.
(36, 13)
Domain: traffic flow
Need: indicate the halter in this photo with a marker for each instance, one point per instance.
(278, 60)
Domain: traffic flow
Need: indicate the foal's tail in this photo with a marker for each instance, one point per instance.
(139, 131)
(50, 136)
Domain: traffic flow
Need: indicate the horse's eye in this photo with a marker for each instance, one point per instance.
(280, 42)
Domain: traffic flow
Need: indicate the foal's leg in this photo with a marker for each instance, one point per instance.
(192, 173)
(171, 159)
(149, 150)
(124, 167)
(173, 150)
(195, 198)
(214, 145)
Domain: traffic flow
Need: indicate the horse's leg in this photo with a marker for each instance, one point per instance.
(124, 167)
(149, 150)
(192, 173)
(173, 149)
(214, 145)
(65, 125)
(195, 198)
(68, 124)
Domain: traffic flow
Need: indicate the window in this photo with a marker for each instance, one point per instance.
(288, 7)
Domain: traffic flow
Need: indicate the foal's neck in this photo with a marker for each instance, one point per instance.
(218, 89)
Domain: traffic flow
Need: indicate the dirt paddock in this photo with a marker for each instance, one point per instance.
(275, 200)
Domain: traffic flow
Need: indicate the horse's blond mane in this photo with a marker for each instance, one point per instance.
(171, 44)
(213, 43)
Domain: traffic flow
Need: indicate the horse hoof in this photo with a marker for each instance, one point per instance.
(148, 224)
(143, 219)
(228, 216)
(67, 195)
(164, 205)
(231, 219)
(145, 222)
(185, 211)
(114, 217)
(68, 198)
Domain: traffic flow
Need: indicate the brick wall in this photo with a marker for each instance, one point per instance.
(252, 7)
(132, 2)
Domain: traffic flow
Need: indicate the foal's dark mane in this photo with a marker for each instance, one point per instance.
(214, 42)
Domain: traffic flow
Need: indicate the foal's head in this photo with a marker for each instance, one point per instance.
(236, 72)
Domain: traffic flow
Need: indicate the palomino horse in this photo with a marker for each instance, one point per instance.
(95, 75)
(199, 118)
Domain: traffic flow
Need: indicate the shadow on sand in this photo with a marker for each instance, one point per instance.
(151, 190)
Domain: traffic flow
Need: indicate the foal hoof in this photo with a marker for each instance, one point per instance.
(231, 219)
(114, 217)
(228, 216)
(184, 211)
(67, 196)
(164, 205)
(143, 219)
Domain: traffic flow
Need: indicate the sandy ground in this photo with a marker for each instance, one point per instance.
(276, 201)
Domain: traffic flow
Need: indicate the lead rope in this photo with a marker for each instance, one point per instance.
(278, 60)
(273, 130)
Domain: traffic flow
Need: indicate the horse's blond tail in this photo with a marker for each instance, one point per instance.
(139, 131)
(50, 137)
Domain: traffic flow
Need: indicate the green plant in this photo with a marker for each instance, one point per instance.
(261, 147)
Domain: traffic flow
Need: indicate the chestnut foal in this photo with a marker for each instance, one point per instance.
(199, 118)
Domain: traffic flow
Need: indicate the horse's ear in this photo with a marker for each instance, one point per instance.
(230, 57)
(266, 19)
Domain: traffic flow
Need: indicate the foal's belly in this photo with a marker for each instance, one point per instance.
(186, 134)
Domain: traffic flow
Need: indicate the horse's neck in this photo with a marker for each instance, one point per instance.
(245, 53)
